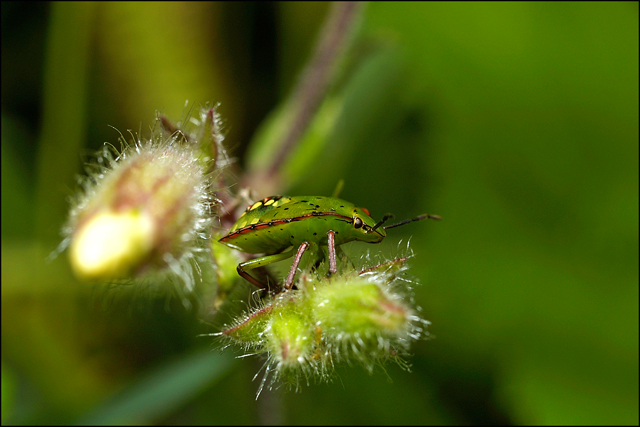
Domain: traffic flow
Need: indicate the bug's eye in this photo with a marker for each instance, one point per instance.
(357, 222)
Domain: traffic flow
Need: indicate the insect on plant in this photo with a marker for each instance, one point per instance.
(304, 223)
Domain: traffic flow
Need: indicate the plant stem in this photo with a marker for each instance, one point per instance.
(312, 87)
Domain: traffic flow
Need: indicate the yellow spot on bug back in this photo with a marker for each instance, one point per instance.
(255, 221)
(255, 205)
(269, 202)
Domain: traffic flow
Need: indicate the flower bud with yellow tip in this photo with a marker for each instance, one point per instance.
(149, 210)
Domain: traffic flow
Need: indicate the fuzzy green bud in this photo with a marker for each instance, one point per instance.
(250, 331)
(145, 211)
(362, 317)
(290, 335)
(359, 310)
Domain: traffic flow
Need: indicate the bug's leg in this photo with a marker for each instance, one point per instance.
(331, 244)
(296, 261)
(260, 262)
(250, 278)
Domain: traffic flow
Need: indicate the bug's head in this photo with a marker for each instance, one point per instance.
(365, 228)
(373, 232)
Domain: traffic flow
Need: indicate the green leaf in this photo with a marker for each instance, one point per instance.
(163, 390)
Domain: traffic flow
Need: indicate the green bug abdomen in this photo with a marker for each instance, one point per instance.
(273, 235)
(275, 223)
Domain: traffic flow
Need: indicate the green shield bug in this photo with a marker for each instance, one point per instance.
(302, 223)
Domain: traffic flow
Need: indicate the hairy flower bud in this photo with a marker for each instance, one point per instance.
(290, 335)
(147, 210)
(347, 317)
(250, 331)
(358, 306)
(361, 319)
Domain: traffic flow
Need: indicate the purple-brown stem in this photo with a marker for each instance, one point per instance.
(317, 75)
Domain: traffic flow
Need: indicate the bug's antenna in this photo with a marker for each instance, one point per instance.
(406, 221)
(382, 221)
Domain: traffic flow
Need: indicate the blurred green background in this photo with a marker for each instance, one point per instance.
(516, 122)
